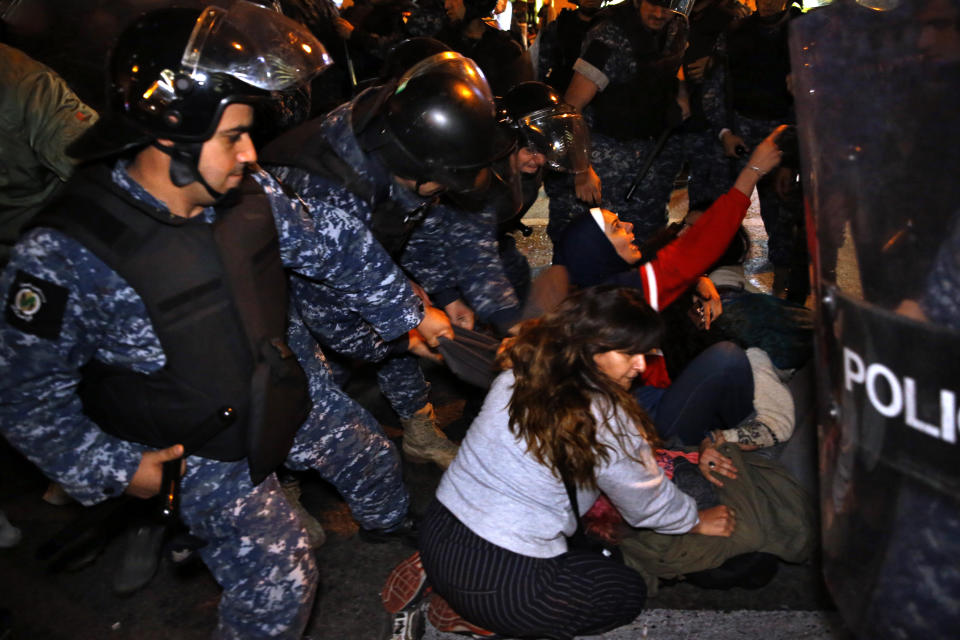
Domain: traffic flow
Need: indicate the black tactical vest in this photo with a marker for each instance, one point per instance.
(305, 147)
(216, 298)
(646, 104)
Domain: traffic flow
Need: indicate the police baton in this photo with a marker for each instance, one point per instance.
(648, 161)
(103, 520)
(170, 479)
(350, 69)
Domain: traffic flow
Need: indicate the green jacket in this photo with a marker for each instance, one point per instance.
(773, 514)
(39, 117)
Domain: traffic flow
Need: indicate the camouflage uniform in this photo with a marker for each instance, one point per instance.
(558, 47)
(321, 307)
(427, 19)
(473, 263)
(710, 171)
(256, 548)
(346, 444)
(618, 161)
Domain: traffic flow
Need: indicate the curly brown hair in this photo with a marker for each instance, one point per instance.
(557, 382)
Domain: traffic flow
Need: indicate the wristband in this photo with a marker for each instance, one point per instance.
(759, 171)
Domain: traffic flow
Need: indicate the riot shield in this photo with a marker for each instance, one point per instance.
(877, 90)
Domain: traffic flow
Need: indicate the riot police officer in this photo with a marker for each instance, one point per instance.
(145, 311)
(384, 158)
(625, 82)
(484, 268)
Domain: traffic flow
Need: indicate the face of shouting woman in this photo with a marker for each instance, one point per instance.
(620, 235)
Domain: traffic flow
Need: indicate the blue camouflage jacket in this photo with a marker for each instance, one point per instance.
(86, 311)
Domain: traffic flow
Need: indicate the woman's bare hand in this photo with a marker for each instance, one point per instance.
(713, 463)
(716, 521)
(764, 158)
(710, 301)
(767, 154)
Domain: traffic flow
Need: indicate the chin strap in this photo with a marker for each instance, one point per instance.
(184, 166)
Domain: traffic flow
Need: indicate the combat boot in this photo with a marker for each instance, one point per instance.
(423, 441)
(315, 532)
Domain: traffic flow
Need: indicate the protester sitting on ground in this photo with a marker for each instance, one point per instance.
(494, 542)
(724, 394)
(725, 305)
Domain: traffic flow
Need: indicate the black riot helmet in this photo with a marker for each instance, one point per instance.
(173, 72)
(408, 52)
(544, 123)
(478, 9)
(438, 123)
(680, 7)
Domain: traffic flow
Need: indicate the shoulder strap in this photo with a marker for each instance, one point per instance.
(105, 225)
(307, 148)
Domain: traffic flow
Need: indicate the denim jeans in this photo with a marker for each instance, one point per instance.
(715, 391)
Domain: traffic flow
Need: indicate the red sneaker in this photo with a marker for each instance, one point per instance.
(405, 586)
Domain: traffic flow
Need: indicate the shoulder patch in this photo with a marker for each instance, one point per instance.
(36, 306)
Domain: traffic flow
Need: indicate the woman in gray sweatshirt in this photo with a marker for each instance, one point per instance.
(494, 542)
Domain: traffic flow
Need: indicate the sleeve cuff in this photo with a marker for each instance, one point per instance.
(398, 346)
(591, 73)
(504, 319)
(444, 297)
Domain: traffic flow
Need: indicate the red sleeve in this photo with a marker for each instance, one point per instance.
(680, 263)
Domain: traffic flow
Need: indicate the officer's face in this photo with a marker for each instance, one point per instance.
(455, 9)
(527, 160)
(770, 7)
(939, 39)
(225, 156)
(653, 16)
(590, 7)
(620, 235)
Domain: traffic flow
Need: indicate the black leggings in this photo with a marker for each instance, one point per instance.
(577, 593)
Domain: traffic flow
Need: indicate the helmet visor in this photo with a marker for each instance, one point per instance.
(255, 45)
(561, 135)
(449, 62)
(682, 7)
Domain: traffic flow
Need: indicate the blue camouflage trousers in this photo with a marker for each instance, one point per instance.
(345, 333)
(257, 550)
(617, 163)
(345, 444)
(711, 171)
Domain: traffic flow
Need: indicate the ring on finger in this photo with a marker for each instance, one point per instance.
(712, 464)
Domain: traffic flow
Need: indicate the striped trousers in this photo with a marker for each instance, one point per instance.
(576, 593)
